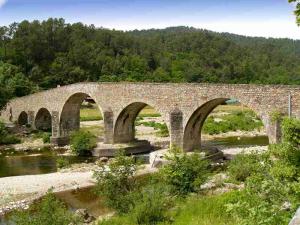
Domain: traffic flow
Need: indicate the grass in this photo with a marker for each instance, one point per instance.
(90, 114)
(95, 130)
(195, 210)
(236, 120)
(205, 210)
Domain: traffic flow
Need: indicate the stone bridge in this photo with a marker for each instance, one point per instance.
(184, 108)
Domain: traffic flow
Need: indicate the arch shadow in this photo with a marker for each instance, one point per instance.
(23, 118)
(124, 128)
(70, 113)
(43, 120)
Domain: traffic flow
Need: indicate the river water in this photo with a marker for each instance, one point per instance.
(40, 162)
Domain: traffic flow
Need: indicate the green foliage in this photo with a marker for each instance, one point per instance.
(291, 131)
(244, 121)
(48, 211)
(10, 139)
(297, 10)
(151, 205)
(185, 173)
(62, 163)
(205, 210)
(6, 138)
(116, 182)
(202, 210)
(82, 142)
(242, 166)
(44, 54)
(276, 116)
(90, 113)
(45, 136)
(273, 185)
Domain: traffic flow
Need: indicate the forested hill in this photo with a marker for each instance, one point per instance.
(40, 55)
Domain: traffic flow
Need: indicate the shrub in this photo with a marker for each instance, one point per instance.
(46, 137)
(272, 193)
(6, 138)
(152, 205)
(291, 131)
(242, 166)
(82, 142)
(10, 139)
(49, 211)
(62, 162)
(185, 172)
(116, 181)
(3, 131)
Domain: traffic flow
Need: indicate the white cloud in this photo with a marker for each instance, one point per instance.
(2, 2)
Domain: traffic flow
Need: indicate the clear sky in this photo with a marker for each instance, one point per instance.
(268, 18)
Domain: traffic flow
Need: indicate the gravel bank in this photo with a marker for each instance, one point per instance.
(19, 191)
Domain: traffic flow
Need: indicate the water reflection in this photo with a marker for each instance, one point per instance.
(36, 164)
(84, 198)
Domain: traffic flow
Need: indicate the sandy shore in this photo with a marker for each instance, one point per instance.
(20, 191)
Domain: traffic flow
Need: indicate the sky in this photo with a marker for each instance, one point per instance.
(266, 18)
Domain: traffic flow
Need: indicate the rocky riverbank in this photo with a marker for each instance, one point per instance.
(19, 191)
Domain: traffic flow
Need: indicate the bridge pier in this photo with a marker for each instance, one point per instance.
(176, 129)
(31, 115)
(56, 137)
(273, 129)
(108, 119)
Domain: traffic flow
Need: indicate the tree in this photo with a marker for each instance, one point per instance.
(297, 10)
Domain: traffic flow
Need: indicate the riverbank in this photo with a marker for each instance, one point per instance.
(19, 191)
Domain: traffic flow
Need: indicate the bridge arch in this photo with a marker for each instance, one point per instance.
(70, 113)
(43, 120)
(193, 128)
(23, 118)
(124, 128)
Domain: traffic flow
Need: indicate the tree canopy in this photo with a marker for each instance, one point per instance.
(297, 10)
(40, 55)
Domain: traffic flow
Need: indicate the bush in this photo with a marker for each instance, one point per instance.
(242, 166)
(291, 131)
(46, 137)
(152, 205)
(10, 139)
(117, 182)
(6, 138)
(272, 193)
(62, 162)
(49, 211)
(82, 142)
(185, 172)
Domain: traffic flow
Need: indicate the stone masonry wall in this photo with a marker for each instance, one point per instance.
(175, 102)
